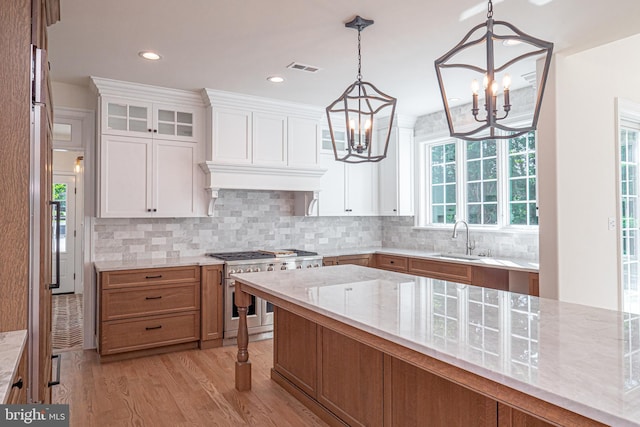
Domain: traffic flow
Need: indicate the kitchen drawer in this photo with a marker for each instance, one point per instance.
(391, 262)
(154, 331)
(454, 272)
(149, 300)
(152, 276)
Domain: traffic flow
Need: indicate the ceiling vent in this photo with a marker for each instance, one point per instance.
(303, 67)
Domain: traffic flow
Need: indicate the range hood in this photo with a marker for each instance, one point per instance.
(305, 182)
(256, 143)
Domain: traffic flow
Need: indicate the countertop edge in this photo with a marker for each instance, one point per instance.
(12, 356)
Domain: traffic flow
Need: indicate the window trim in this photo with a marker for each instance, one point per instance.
(423, 217)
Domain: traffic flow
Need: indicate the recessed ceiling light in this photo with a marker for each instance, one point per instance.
(275, 79)
(150, 55)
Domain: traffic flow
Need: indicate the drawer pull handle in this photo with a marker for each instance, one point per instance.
(149, 328)
(153, 297)
(58, 357)
(159, 276)
(18, 384)
(391, 262)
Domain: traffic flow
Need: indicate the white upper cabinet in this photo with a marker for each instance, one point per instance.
(270, 139)
(396, 190)
(259, 143)
(348, 189)
(233, 126)
(302, 142)
(147, 120)
(150, 151)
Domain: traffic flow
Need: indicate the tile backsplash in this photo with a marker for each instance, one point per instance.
(243, 220)
(250, 220)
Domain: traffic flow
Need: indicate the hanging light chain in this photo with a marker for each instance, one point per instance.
(359, 55)
(490, 10)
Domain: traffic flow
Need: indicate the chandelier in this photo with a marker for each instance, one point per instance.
(490, 53)
(363, 108)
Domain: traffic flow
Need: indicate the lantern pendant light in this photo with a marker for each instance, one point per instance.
(506, 50)
(363, 108)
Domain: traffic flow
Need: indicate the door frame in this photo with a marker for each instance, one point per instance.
(86, 176)
(79, 237)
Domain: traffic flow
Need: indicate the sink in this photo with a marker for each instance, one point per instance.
(458, 256)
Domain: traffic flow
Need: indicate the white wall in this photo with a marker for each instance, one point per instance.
(72, 96)
(579, 192)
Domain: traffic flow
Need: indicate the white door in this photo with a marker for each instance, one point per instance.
(64, 191)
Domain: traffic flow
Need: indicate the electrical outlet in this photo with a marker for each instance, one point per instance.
(612, 223)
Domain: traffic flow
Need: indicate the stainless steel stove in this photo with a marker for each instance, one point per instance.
(260, 314)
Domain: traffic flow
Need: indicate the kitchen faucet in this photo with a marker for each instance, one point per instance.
(468, 244)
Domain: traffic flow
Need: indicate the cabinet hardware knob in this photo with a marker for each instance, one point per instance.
(159, 276)
(148, 210)
(149, 130)
(391, 262)
(18, 384)
(158, 297)
(155, 131)
(395, 210)
(149, 328)
(155, 210)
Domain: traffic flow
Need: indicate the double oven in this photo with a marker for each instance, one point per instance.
(260, 314)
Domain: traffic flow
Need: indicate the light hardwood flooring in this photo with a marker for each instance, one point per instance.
(187, 388)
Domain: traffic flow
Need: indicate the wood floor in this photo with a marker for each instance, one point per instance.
(187, 388)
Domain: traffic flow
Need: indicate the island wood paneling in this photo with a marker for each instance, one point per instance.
(295, 355)
(350, 379)
(417, 397)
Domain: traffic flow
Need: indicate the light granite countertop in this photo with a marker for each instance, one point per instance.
(577, 357)
(155, 263)
(504, 263)
(501, 262)
(11, 347)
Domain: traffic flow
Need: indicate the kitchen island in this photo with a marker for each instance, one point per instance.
(371, 347)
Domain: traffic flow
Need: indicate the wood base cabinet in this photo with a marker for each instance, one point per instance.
(345, 381)
(363, 259)
(147, 309)
(211, 310)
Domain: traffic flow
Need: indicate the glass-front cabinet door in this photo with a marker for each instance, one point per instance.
(175, 123)
(123, 117)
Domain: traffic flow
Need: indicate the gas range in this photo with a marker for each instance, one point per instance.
(267, 260)
(260, 314)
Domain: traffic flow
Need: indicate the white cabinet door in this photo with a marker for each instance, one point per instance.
(177, 123)
(269, 139)
(388, 176)
(125, 177)
(174, 165)
(303, 137)
(127, 118)
(397, 174)
(361, 189)
(406, 172)
(232, 135)
(331, 200)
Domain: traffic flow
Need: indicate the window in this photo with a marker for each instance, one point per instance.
(487, 183)
(443, 183)
(629, 140)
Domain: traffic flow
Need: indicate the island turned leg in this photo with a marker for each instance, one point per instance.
(243, 366)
